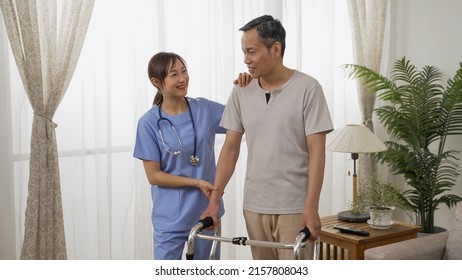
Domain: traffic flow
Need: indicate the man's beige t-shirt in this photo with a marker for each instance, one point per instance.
(275, 132)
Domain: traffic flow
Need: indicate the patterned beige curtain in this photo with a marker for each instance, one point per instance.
(46, 38)
(367, 19)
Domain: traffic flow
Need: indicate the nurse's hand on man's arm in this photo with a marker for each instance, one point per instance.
(243, 79)
(206, 188)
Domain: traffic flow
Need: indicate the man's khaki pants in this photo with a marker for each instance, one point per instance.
(275, 228)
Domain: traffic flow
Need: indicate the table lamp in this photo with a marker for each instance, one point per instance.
(355, 139)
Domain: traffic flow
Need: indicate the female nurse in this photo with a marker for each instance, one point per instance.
(175, 140)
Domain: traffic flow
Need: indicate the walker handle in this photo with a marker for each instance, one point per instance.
(307, 233)
(206, 222)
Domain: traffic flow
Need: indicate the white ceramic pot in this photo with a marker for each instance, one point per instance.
(381, 219)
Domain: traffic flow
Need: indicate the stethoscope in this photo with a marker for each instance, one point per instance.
(193, 159)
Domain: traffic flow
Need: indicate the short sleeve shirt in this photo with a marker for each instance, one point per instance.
(275, 133)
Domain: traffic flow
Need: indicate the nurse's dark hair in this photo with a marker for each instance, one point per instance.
(269, 31)
(158, 67)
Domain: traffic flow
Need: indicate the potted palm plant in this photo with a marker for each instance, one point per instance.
(420, 112)
(380, 198)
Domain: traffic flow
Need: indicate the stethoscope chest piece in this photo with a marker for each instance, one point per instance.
(193, 160)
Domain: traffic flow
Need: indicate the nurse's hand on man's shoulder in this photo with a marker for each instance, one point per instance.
(206, 187)
(243, 79)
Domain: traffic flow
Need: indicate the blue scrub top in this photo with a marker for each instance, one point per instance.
(180, 208)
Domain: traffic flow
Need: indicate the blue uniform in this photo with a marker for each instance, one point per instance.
(176, 210)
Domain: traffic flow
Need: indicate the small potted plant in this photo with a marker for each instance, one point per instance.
(380, 198)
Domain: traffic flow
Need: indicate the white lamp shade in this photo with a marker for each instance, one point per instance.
(355, 138)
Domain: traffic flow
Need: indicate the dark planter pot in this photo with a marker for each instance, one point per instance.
(436, 230)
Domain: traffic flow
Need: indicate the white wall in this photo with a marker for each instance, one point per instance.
(428, 33)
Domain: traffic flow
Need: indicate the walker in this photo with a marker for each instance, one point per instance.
(196, 231)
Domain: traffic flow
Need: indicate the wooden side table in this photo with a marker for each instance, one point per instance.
(340, 246)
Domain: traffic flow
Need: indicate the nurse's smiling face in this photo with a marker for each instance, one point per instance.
(176, 82)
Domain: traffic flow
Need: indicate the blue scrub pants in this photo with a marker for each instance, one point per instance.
(171, 245)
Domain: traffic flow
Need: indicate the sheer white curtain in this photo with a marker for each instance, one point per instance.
(106, 198)
(7, 211)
